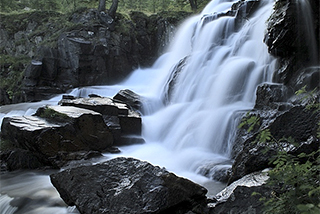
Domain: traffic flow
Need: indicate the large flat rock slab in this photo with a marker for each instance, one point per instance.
(116, 113)
(56, 129)
(127, 185)
(103, 105)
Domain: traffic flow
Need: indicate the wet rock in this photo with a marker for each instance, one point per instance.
(103, 105)
(309, 78)
(253, 179)
(218, 171)
(242, 196)
(126, 185)
(293, 38)
(170, 85)
(117, 115)
(130, 98)
(126, 140)
(298, 125)
(243, 10)
(57, 129)
(244, 200)
(271, 96)
(21, 159)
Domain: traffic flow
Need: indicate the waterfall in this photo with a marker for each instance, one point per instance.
(209, 73)
(193, 92)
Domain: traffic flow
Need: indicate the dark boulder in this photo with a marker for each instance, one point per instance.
(126, 185)
(130, 98)
(242, 196)
(57, 129)
(244, 200)
(118, 116)
(299, 124)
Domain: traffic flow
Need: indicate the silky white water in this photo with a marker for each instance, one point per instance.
(194, 126)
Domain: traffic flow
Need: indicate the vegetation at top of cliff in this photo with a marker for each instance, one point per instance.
(124, 6)
(11, 75)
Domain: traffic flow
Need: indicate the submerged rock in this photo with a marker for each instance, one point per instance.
(127, 185)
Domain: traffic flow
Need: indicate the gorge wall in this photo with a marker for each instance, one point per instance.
(47, 53)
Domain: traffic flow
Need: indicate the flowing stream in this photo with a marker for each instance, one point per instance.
(189, 125)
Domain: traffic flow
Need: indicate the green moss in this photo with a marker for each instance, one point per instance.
(12, 73)
(51, 114)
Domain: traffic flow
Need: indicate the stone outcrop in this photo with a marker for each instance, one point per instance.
(119, 116)
(291, 119)
(87, 48)
(78, 128)
(293, 37)
(293, 129)
(56, 129)
(127, 185)
(130, 98)
(244, 200)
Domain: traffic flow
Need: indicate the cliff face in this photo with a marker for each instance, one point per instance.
(56, 52)
(293, 37)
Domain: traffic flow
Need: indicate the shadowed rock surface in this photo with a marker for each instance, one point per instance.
(55, 129)
(127, 185)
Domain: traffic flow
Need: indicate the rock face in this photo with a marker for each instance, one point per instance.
(291, 119)
(86, 48)
(244, 200)
(118, 116)
(130, 98)
(126, 185)
(78, 128)
(298, 124)
(78, 125)
(242, 196)
(293, 38)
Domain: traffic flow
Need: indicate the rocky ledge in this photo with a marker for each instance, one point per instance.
(78, 128)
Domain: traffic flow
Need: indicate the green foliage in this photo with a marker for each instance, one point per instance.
(310, 97)
(299, 184)
(51, 114)
(296, 178)
(11, 74)
(124, 6)
(250, 123)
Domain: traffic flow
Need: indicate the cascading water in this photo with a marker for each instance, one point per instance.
(188, 125)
